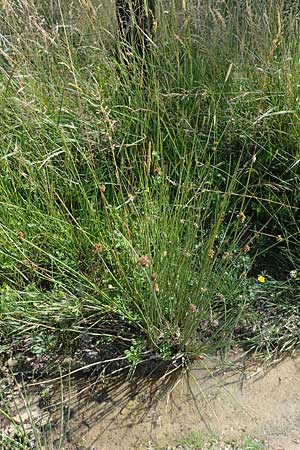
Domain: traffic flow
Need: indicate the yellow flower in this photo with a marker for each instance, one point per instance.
(261, 279)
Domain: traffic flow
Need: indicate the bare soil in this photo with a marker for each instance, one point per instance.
(238, 399)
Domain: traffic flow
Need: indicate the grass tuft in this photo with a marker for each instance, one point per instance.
(143, 204)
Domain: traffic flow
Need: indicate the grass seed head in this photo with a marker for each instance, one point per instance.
(20, 235)
(144, 261)
(242, 217)
(246, 249)
(156, 287)
(192, 308)
(211, 253)
(98, 247)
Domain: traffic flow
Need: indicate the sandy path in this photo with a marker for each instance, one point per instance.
(229, 403)
(262, 404)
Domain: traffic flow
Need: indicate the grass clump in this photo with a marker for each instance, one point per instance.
(142, 204)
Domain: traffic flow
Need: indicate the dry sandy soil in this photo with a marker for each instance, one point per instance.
(229, 402)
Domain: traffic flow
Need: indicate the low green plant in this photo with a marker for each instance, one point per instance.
(134, 354)
(199, 441)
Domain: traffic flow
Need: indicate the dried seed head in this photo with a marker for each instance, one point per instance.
(192, 308)
(20, 235)
(144, 261)
(98, 247)
(153, 276)
(102, 189)
(155, 287)
(157, 171)
(211, 253)
(246, 249)
(242, 217)
(279, 238)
